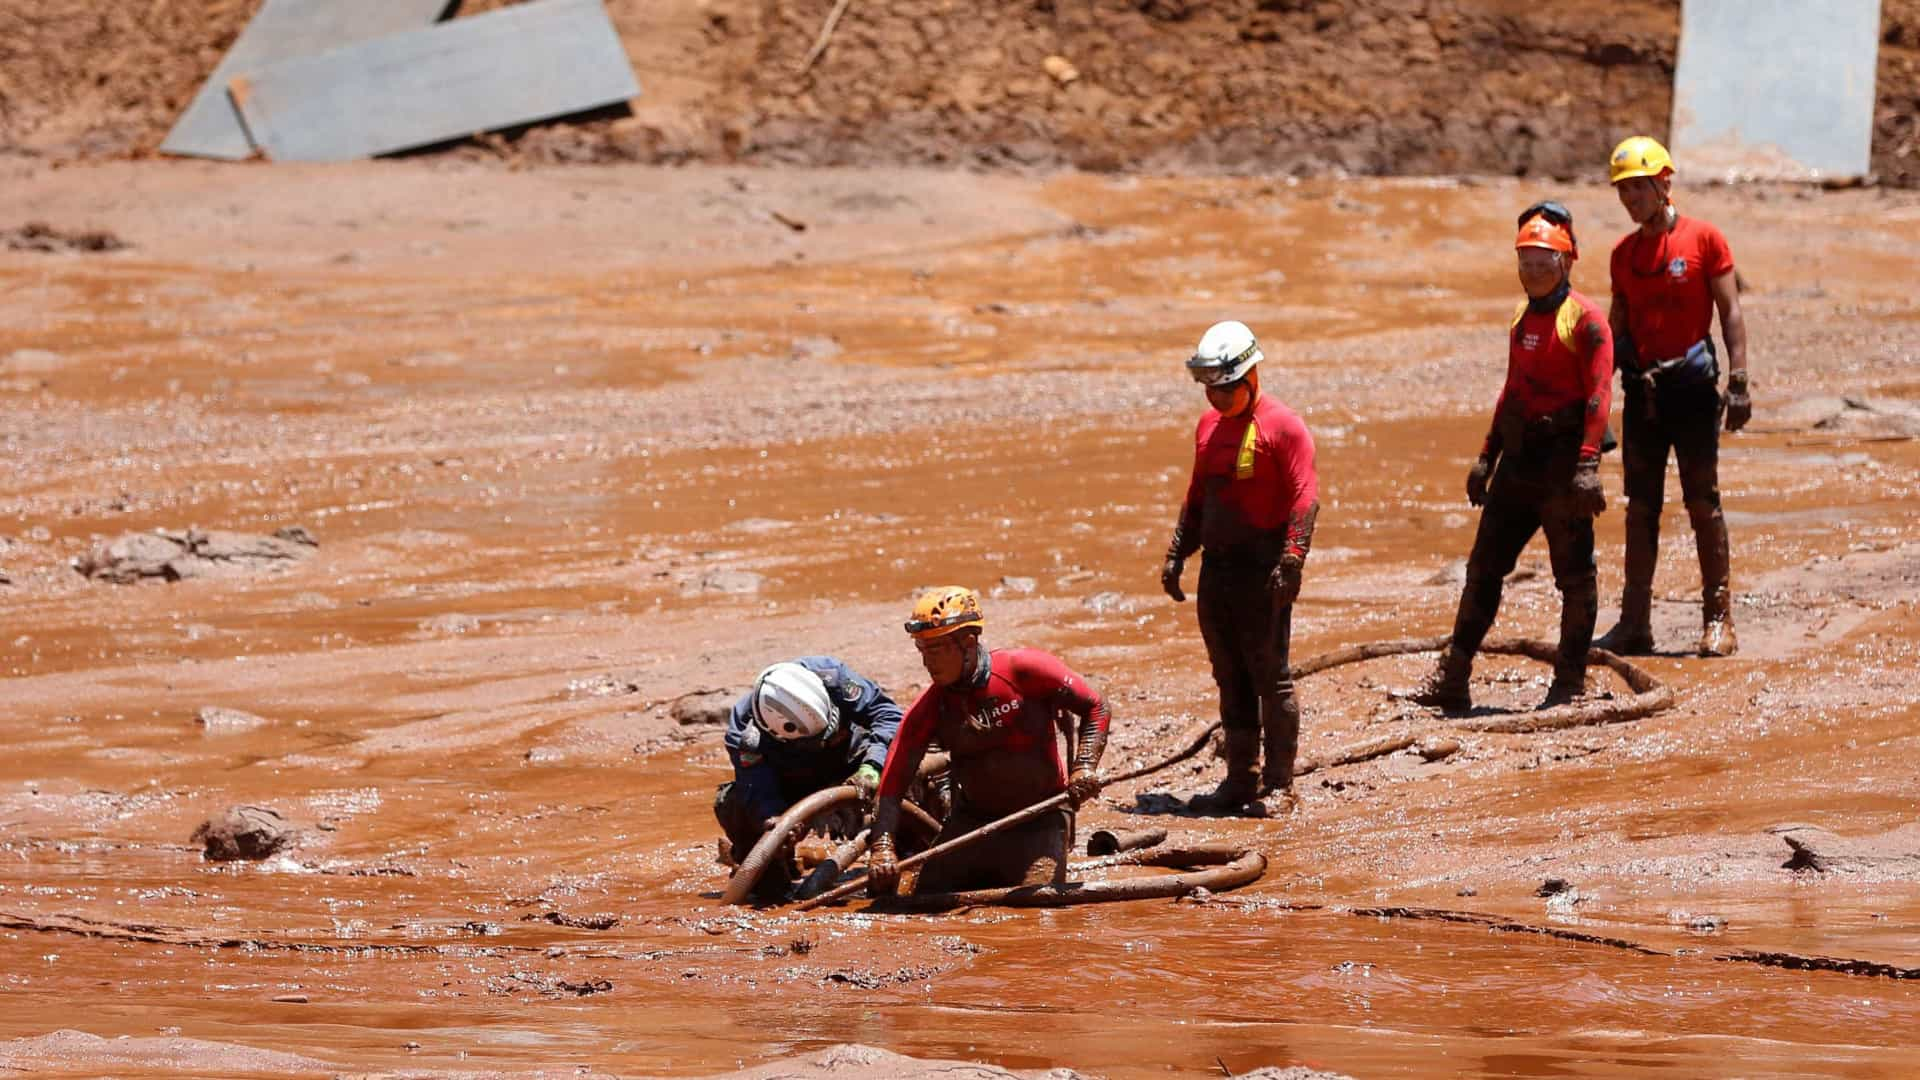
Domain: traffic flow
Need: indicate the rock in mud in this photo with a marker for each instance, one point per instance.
(195, 553)
(215, 720)
(42, 237)
(1553, 886)
(703, 708)
(726, 582)
(244, 833)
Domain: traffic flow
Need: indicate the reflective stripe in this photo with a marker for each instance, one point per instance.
(1243, 465)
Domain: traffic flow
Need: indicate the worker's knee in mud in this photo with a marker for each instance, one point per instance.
(1577, 585)
(1482, 590)
(1642, 513)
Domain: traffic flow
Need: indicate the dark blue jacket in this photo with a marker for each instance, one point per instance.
(770, 775)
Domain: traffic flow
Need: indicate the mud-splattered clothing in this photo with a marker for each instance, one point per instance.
(1667, 284)
(1000, 734)
(1559, 373)
(770, 774)
(1253, 475)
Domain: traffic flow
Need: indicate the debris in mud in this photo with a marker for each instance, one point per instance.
(218, 721)
(1103, 602)
(451, 624)
(726, 582)
(193, 554)
(1815, 849)
(1795, 962)
(1847, 415)
(42, 237)
(703, 708)
(289, 999)
(32, 362)
(1707, 924)
(578, 922)
(1553, 886)
(1017, 586)
(247, 833)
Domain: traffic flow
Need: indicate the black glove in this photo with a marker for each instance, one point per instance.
(1739, 405)
(1084, 784)
(1477, 480)
(1170, 578)
(1589, 498)
(883, 870)
(1284, 583)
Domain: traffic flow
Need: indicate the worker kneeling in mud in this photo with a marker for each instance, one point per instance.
(1539, 467)
(996, 714)
(806, 725)
(1250, 507)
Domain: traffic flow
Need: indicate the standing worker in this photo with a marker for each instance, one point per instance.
(807, 724)
(996, 713)
(1669, 276)
(1250, 506)
(1539, 468)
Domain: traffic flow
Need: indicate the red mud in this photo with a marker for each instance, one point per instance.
(575, 443)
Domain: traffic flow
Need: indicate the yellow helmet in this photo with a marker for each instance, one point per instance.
(1639, 155)
(941, 611)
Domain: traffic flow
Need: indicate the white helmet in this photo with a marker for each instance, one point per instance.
(791, 703)
(1227, 352)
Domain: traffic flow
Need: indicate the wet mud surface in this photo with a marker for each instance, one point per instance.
(577, 449)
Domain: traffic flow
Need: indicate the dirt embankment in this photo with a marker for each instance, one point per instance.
(1307, 86)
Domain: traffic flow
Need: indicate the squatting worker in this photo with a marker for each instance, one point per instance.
(807, 724)
(1539, 468)
(996, 713)
(1250, 508)
(1669, 277)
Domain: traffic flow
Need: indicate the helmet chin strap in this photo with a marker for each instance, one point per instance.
(979, 665)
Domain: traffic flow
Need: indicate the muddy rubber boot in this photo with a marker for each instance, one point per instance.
(1280, 728)
(1446, 687)
(1716, 598)
(1633, 634)
(1579, 606)
(1242, 752)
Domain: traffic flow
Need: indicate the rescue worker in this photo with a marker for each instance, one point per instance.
(806, 725)
(1669, 277)
(996, 714)
(1250, 509)
(1539, 468)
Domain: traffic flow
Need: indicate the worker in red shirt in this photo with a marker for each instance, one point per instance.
(1669, 277)
(1539, 468)
(996, 714)
(1250, 507)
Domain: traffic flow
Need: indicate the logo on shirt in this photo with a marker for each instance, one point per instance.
(1529, 341)
(1677, 269)
(988, 719)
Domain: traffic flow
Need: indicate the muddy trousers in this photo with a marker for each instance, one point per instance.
(1686, 421)
(1031, 854)
(738, 821)
(1248, 641)
(1528, 497)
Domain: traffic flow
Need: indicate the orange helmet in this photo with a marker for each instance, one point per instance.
(941, 611)
(1541, 233)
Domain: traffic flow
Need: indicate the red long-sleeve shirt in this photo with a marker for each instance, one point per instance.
(999, 736)
(1263, 491)
(1545, 376)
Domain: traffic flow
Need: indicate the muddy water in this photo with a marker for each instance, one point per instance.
(535, 491)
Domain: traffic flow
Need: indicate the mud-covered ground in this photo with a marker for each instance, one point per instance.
(576, 444)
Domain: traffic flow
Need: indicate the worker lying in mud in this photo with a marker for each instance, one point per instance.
(1250, 510)
(1539, 467)
(996, 714)
(1669, 277)
(807, 724)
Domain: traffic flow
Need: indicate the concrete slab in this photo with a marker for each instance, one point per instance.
(1775, 89)
(517, 65)
(282, 30)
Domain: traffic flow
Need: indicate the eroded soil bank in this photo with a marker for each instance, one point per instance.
(574, 444)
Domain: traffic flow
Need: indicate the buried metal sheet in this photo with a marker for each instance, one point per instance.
(282, 30)
(513, 66)
(1775, 89)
